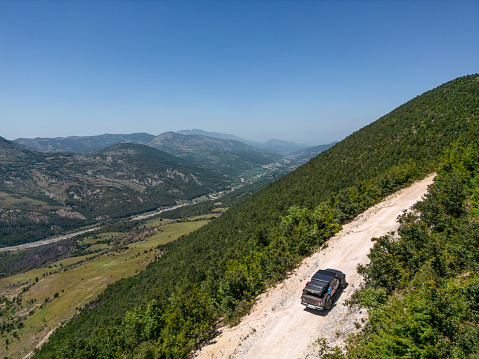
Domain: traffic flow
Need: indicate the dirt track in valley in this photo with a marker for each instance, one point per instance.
(279, 326)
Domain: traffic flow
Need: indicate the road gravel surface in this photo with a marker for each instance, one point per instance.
(278, 326)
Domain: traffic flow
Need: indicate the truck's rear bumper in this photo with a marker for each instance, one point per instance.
(312, 304)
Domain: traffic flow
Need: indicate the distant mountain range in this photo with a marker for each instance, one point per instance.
(82, 144)
(230, 156)
(311, 152)
(272, 145)
(228, 153)
(91, 144)
(224, 136)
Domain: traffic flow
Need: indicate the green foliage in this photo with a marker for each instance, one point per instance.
(26, 226)
(422, 289)
(305, 230)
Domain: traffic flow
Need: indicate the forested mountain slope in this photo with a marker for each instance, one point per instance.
(231, 156)
(215, 273)
(422, 289)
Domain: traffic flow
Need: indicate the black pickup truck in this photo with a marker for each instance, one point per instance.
(323, 287)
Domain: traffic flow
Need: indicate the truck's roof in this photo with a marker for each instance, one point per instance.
(323, 275)
(334, 271)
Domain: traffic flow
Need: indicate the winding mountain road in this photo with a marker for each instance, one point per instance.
(278, 326)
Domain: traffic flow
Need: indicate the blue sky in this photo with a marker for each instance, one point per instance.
(311, 72)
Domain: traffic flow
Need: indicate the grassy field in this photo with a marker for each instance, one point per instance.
(34, 303)
(9, 201)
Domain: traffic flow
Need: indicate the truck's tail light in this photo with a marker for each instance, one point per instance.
(306, 284)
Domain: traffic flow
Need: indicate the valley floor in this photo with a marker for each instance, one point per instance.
(33, 304)
(71, 235)
(280, 327)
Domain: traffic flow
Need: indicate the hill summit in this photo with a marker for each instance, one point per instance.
(9, 151)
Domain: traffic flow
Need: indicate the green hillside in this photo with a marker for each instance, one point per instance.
(422, 290)
(213, 275)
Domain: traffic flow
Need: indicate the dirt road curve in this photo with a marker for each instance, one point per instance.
(279, 326)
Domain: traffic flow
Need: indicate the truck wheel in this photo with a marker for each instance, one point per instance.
(343, 283)
(328, 303)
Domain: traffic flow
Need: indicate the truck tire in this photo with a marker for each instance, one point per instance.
(328, 302)
(343, 283)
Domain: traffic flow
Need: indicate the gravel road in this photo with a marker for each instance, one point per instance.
(279, 326)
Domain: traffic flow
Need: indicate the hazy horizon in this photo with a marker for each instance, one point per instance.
(190, 129)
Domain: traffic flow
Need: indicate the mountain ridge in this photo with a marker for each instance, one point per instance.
(92, 144)
(9, 150)
(275, 145)
(82, 144)
(62, 184)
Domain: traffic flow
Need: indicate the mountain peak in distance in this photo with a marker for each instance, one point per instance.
(273, 145)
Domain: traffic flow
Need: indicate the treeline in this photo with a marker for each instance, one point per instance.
(25, 227)
(214, 274)
(422, 290)
(24, 260)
